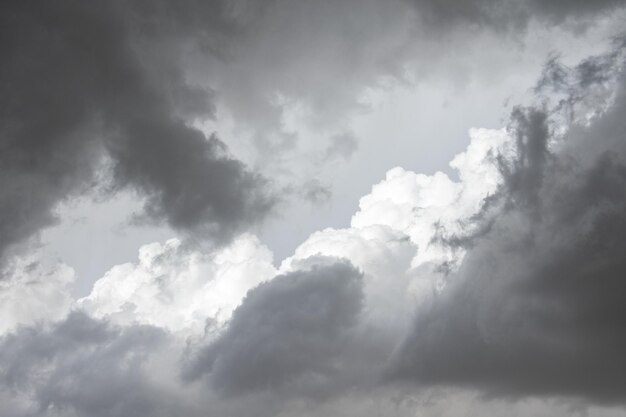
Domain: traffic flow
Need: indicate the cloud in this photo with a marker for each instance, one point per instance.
(505, 278)
(315, 192)
(83, 82)
(159, 68)
(384, 256)
(80, 366)
(33, 291)
(519, 312)
(323, 60)
(342, 146)
(426, 206)
(535, 307)
(288, 332)
(179, 289)
(507, 15)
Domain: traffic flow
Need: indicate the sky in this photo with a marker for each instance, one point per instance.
(312, 208)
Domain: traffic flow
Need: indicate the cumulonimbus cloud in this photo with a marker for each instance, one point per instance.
(507, 280)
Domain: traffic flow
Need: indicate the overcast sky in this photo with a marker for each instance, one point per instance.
(312, 208)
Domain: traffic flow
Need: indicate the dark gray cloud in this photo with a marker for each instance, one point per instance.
(288, 333)
(79, 80)
(537, 307)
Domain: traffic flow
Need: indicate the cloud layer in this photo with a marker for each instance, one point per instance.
(498, 287)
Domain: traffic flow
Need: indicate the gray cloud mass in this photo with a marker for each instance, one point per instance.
(537, 307)
(80, 79)
(104, 97)
(83, 80)
(289, 331)
(81, 366)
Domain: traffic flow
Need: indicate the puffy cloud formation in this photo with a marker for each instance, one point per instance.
(506, 281)
(503, 279)
(292, 330)
(400, 237)
(178, 288)
(425, 206)
(383, 255)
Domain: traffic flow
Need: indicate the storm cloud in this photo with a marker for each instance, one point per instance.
(492, 285)
(537, 305)
(85, 86)
(115, 86)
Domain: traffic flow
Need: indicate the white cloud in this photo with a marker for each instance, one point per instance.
(383, 254)
(421, 205)
(391, 238)
(177, 288)
(391, 241)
